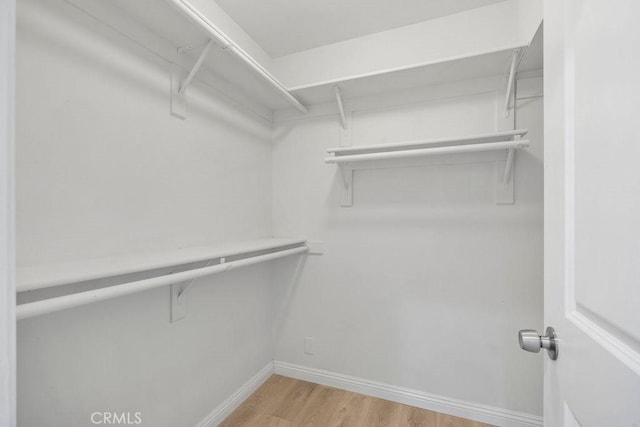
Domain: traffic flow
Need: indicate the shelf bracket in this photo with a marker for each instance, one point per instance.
(196, 67)
(511, 80)
(178, 295)
(504, 178)
(346, 197)
(508, 168)
(343, 120)
(345, 132)
(178, 107)
(179, 86)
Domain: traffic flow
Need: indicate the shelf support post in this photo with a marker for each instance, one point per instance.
(343, 120)
(510, 80)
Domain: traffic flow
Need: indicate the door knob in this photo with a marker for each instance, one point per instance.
(531, 341)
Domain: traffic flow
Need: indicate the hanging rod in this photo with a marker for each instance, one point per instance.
(50, 305)
(482, 138)
(469, 148)
(65, 273)
(189, 10)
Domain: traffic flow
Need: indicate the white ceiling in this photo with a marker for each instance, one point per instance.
(286, 26)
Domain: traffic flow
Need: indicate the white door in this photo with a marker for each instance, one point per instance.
(592, 211)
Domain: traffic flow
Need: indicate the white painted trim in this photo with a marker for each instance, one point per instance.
(446, 405)
(223, 410)
(7, 216)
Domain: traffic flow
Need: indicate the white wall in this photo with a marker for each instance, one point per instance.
(102, 168)
(100, 156)
(425, 281)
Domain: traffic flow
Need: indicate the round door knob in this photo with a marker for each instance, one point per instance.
(531, 341)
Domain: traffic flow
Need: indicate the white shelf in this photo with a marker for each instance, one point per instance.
(478, 65)
(354, 158)
(48, 275)
(432, 151)
(475, 140)
(218, 37)
(177, 32)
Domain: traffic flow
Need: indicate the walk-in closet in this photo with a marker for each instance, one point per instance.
(320, 213)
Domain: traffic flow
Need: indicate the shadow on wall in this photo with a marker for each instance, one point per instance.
(284, 293)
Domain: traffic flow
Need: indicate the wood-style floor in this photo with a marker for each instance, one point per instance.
(286, 402)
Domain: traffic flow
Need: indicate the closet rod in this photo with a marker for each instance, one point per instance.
(193, 13)
(469, 148)
(50, 305)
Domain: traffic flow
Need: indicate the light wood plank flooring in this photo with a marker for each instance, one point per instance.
(286, 402)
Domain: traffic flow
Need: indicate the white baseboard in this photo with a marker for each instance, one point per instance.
(446, 405)
(230, 404)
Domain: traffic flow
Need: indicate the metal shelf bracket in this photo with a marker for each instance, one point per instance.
(511, 80)
(505, 177)
(346, 197)
(178, 295)
(508, 168)
(196, 67)
(343, 120)
(179, 86)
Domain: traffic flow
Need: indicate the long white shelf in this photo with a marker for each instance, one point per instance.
(200, 20)
(49, 275)
(353, 158)
(178, 307)
(445, 70)
(179, 32)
